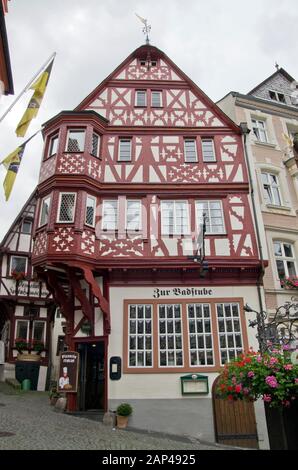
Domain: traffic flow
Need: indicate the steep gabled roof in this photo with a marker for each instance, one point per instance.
(19, 217)
(155, 53)
(279, 71)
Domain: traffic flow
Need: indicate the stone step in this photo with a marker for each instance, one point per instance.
(13, 383)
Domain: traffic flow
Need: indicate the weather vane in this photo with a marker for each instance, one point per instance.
(147, 28)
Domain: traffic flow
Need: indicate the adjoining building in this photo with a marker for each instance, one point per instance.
(271, 112)
(26, 306)
(6, 82)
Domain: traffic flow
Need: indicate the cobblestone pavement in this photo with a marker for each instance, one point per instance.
(37, 425)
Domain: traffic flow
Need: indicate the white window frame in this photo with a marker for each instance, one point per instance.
(144, 334)
(59, 208)
(276, 93)
(44, 329)
(26, 221)
(209, 139)
(160, 98)
(285, 258)
(94, 210)
(256, 125)
(121, 159)
(194, 141)
(200, 221)
(271, 185)
(50, 151)
(140, 215)
(175, 232)
(40, 224)
(138, 93)
(226, 332)
(98, 144)
(166, 334)
(68, 134)
(16, 328)
(10, 265)
(196, 333)
(104, 202)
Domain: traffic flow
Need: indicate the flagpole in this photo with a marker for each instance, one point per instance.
(27, 86)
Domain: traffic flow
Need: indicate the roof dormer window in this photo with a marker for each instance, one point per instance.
(274, 95)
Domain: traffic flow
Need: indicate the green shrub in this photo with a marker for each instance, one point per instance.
(125, 409)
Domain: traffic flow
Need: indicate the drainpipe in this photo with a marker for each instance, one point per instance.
(245, 131)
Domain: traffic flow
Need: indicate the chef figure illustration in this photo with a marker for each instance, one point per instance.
(64, 380)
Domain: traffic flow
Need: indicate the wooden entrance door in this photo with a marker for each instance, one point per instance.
(235, 422)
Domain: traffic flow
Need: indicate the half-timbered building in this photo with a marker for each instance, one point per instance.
(125, 181)
(26, 306)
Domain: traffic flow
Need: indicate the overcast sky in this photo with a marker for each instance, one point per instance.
(221, 45)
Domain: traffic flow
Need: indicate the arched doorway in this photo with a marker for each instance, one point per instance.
(234, 421)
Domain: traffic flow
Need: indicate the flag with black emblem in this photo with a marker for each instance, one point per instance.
(39, 87)
(12, 164)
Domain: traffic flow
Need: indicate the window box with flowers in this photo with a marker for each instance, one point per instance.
(29, 351)
(290, 283)
(18, 276)
(271, 377)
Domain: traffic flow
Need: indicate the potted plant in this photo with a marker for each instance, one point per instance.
(21, 344)
(123, 411)
(18, 276)
(290, 283)
(37, 346)
(54, 395)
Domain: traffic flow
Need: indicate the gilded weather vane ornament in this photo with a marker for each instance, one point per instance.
(147, 28)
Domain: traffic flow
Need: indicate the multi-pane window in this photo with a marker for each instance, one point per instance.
(38, 332)
(140, 98)
(66, 207)
(229, 330)
(95, 143)
(285, 259)
(274, 95)
(140, 343)
(75, 140)
(53, 147)
(18, 264)
(22, 329)
(208, 150)
(174, 218)
(90, 211)
(170, 335)
(125, 150)
(213, 216)
(259, 130)
(133, 214)
(271, 189)
(44, 211)
(200, 334)
(156, 99)
(110, 215)
(26, 226)
(190, 150)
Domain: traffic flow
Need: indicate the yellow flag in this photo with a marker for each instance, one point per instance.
(39, 87)
(12, 164)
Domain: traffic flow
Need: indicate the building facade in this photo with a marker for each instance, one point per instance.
(26, 306)
(125, 183)
(6, 82)
(271, 112)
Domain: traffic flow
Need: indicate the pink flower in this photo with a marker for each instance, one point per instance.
(286, 347)
(288, 367)
(271, 381)
(238, 388)
(267, 398)
(286, 403)
(250, 374)
(258, 359)
(234, 380)
(273, 361)
(246, 391)
(296, 381)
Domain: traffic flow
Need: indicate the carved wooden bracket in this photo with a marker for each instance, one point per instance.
(103, 303)
(80, 294)
(59, 295)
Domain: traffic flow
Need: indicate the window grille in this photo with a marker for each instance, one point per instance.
(67, 205)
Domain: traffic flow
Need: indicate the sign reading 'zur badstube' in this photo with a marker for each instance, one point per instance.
(68, 372)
